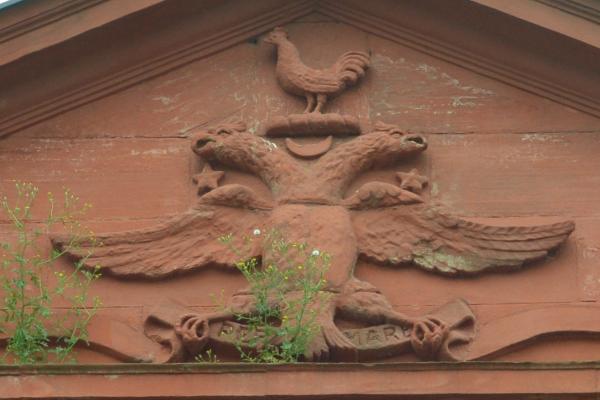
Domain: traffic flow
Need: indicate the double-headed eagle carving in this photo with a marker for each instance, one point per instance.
(380, 222)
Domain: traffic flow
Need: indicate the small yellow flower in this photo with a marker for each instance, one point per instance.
(299, 266)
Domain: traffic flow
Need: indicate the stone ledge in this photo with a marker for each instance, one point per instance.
(483, 380)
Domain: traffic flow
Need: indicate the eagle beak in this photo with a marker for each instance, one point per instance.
(200, 142)
(417, 140)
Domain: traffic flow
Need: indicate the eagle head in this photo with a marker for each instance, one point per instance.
(204, 143)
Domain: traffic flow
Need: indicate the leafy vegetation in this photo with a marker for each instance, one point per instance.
(289, 296)
(31, 285)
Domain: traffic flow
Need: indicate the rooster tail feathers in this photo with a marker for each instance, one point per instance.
(351, 66)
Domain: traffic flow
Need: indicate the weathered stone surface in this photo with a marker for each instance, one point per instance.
(517, 174)
(308, 207)
(495, 151)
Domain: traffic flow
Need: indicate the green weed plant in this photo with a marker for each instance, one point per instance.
(30, 283)
(289, 297)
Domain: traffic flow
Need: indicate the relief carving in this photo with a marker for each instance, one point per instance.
(316, 85)
(383, 223)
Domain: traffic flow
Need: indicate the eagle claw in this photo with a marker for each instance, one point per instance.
(427, 336)
(194, 332)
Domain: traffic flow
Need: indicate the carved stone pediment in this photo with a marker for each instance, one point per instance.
(310, 201)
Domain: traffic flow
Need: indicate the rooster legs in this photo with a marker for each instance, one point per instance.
(321, 99)
(310, 102)
(311, 99)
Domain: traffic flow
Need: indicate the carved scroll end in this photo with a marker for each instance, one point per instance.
(449, 343)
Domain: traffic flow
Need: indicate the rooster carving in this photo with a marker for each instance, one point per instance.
(316, 85)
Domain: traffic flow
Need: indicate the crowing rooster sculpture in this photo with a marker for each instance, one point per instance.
(314, 84)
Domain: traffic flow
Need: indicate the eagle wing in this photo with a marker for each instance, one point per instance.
(183, 243)
(423, 235)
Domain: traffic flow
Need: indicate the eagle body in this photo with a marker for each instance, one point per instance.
(325, 229)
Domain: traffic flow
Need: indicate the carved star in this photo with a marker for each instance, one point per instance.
(412, 181)
(207, 180)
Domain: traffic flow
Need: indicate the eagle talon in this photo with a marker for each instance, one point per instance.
(427, 336)
(194, 332)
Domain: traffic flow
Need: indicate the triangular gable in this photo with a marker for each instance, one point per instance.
(211, 28)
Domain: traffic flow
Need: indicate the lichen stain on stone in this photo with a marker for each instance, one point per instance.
(464, 101)
(381, 100)
(591, 282)
(270, 145)
(157, 152)
(543, 138)
(254, 126)
(444, 262)
(435, 190)
(239, 98)
(394, 260)
(165, 100)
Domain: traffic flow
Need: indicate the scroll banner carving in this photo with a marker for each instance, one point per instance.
(159, 342)
(311, 202)
(371, 343)
(497, 337)
(388, 340)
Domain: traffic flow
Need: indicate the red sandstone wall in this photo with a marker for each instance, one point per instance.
(496, 153)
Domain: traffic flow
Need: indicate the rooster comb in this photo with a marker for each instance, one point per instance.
(280, 29)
